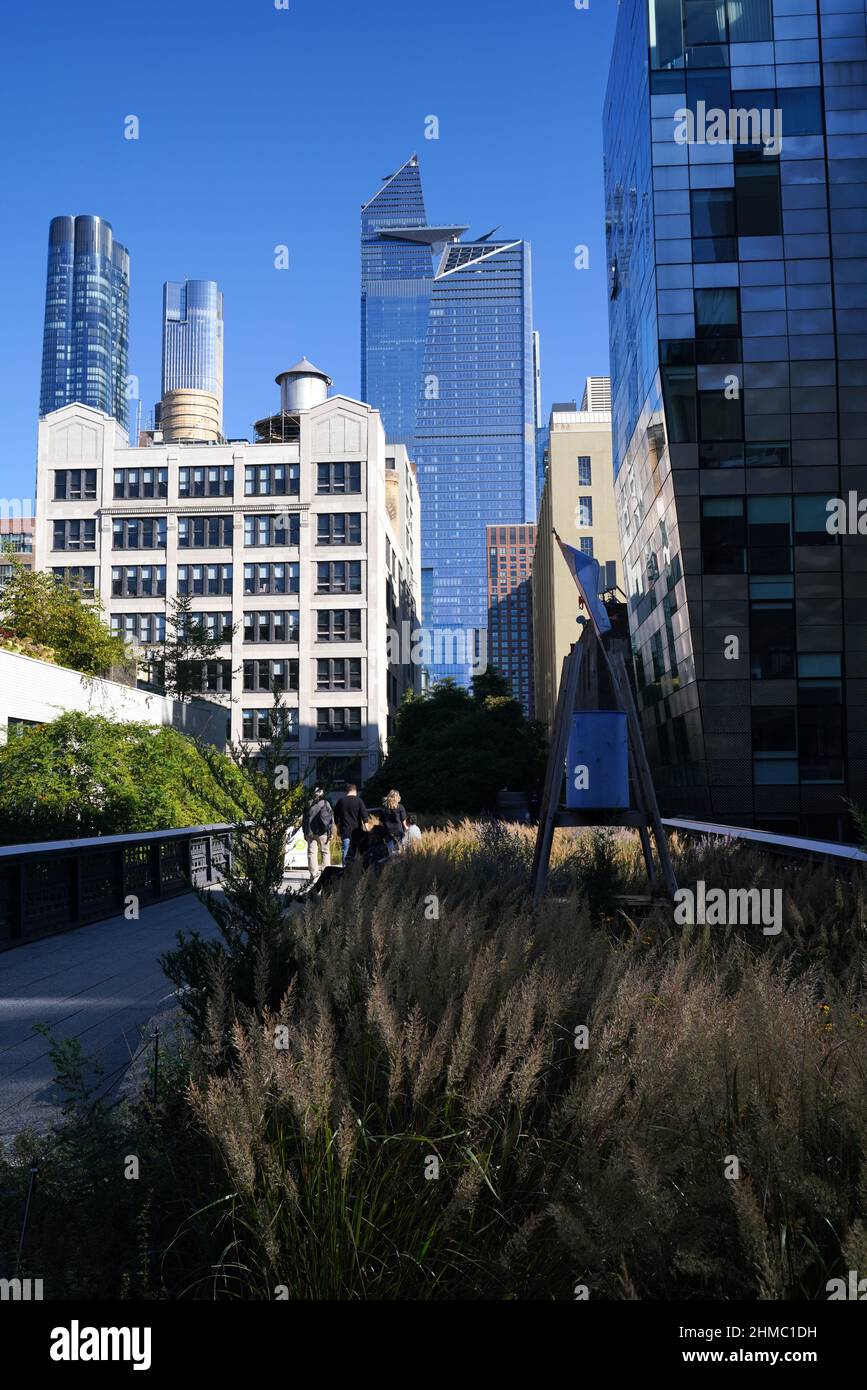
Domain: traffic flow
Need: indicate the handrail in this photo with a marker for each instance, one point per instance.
(52, 886)
(103, 841)
(797, 845)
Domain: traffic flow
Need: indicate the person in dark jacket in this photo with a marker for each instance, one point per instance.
(350, 814)
(317, 824)
(394, 820)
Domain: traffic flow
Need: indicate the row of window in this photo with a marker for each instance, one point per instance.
(267, 676)
(260, 480)
(265, 625)
(331, 724)
(756, 534)
(208, 532)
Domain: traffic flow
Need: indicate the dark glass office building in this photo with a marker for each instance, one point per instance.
(738, 316)
(85, 343)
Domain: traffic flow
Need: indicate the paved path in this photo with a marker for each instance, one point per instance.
(101, 984)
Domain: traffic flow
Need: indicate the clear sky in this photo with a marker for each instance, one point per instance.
(262, 127)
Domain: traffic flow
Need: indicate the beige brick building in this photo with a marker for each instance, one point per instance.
(578, 501)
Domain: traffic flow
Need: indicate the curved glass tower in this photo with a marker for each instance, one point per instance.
(193, 337)
(86, 336)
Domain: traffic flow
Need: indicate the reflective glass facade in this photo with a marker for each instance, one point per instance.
(193, 337)
(396, 279)
(85, 342)
(738, 291)
(475, 443)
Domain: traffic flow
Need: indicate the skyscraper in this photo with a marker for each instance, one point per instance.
(738, 287)
(192, 376)
(85, 341)
(510, 608)
(475, 441)
(397, 262)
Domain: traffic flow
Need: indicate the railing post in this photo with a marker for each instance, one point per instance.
(156, 869)
(18, 914)
(75, 887)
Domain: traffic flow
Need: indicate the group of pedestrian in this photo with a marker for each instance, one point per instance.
(360, 839)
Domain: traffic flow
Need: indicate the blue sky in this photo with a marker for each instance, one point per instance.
(261, 127)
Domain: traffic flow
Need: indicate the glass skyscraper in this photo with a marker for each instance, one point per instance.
(737, 268)
(85, 342)
(397, 266)
(475, 442)
(193, 337)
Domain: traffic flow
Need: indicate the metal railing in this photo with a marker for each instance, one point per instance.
(53, 886)
(792, 846)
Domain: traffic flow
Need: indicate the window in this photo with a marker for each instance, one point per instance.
(584, 471)
(585, 545)
(266, 626)
(218, 626)
(74, 535)
(257, 723)
(811, 522)
(200, 580)
(272, 530)
(138, 581)
(584, 512)
(338, 724)
(272, 480)
(750, 21)
(338, 625)
(679, 390)
(204, 532)
(713, 212)
(340, 674)
(271, 579)
(141, 482)
(338, 528)
(723, 535)
(338, 577)
(139, 628)
(211, 677)
(775, 745)
(139, 533)
(338, 477)
(757, 190)
(206, 482)
(82, 579)
(769, 534)
(271, 675)
(820, 717)
(75, 485)
(772, 629)
(716, 313)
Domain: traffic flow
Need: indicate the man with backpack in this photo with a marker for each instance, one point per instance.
(317, 824)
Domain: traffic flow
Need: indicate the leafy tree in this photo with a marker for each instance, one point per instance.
(37, 608)
(453, 751)
(178, 661)
(86, 775)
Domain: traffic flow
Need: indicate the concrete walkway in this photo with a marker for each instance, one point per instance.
(101, 984)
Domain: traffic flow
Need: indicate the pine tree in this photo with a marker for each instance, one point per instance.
(253, 965)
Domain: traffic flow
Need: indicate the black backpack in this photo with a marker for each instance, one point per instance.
(321, 818)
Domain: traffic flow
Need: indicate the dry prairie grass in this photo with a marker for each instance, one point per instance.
(428, 1128)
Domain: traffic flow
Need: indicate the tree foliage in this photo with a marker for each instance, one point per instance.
(178, 661)
(87, 775)
(37, 608)
(453, 751)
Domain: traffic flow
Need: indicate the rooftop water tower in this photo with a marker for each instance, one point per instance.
(302, 387)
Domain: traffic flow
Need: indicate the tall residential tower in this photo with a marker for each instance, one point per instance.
(192, 376)
(85, 341)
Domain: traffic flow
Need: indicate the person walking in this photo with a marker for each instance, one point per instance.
(394, 821)
(317, 825)
(351, 814)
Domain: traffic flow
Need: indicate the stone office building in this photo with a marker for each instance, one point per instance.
(300, 551)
